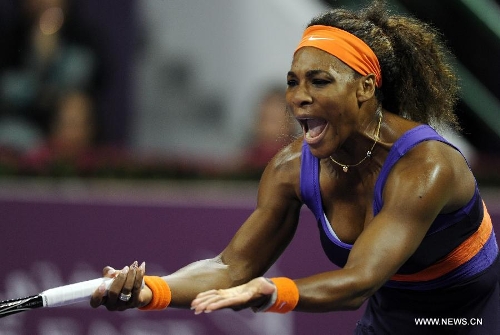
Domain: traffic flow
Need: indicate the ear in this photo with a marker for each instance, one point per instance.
(366, 88)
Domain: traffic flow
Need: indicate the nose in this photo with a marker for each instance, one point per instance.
(298, 96)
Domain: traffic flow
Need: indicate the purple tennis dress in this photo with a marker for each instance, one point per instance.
(450, 285)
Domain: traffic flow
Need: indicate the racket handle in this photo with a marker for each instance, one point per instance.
(73, 293)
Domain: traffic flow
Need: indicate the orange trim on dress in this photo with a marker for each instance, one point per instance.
(460, 255)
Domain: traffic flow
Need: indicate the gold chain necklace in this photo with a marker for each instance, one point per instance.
(345, 167)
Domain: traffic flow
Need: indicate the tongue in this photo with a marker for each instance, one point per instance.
(315, 127)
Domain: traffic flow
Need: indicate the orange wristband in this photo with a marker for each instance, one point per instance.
(287, 295)
(161, 293)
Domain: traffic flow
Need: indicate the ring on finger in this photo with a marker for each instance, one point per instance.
(125, 297)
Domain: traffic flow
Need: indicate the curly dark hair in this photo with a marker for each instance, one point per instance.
(418, 80)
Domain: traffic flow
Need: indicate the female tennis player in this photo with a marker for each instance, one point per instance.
(397, 206)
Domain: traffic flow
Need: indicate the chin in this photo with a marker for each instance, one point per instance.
(319, 152)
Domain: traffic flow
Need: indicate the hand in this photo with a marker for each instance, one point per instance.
(127, 281)
(252, 294)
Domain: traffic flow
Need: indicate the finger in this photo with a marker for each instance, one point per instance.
(231, 300)
(125, 300)
(129, 280)
(116, 287)
(216, 299)
(109, 272)
(219, 302)
(237, 298)
(138, 284)
(221, 292)
(203, 297)
(206, 293)
(98, 297)
(201, 305)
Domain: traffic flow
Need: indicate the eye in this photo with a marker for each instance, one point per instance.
(320, 82)
(291, 82)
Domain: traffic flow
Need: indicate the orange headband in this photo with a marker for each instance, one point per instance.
(345, 46)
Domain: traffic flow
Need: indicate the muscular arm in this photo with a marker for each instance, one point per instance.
(421, 186)
(417, 190)
(258, 242)
(254, 248)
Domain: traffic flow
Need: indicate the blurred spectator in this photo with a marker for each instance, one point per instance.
(44, 56)
(274, 128)
(71, 141)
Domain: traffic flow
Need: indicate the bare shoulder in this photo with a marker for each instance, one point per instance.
(434, 171)
(282, 174)
(288, 157)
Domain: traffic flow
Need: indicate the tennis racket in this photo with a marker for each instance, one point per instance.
(54, 297)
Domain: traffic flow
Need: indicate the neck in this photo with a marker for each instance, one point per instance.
(363, 149)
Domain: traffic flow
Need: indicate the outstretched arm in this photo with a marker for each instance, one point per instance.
(250, 253)
(415, 194)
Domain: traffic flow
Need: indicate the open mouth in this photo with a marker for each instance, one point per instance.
(313, 129)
